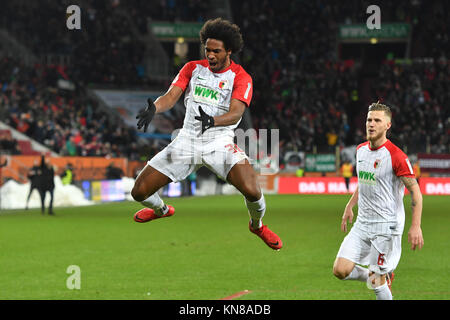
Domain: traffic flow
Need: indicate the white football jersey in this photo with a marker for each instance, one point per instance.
(212, 91)
(380, 197)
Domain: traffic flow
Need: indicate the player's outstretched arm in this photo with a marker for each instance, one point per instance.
(348, 212)
(163, 103)
(168, 100)
(146, 115)
(415, 237)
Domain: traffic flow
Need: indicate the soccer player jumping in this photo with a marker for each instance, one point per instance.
(375, 239)
(216, 93)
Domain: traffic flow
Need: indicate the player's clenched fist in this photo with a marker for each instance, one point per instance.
(145, 116)
(206, 119)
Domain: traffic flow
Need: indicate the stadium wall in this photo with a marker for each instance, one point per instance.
(336, 185)
(84, 168)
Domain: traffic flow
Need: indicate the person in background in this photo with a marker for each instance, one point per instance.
(113, 173)
(347, 173)
(219, 185)
(33, 177)
(67, 176)
(46, 183)
(416, 169)
(300, 172)
(191, 179)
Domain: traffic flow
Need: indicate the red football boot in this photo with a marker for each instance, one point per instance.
(268, 236)
(147, 214)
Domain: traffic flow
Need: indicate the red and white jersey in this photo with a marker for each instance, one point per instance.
(380, 197)
(212, 91)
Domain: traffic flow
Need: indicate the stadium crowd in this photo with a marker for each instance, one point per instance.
(302, 88)
(8, 145)
(300, 85)
(419, 94)
(111, 35)
(106, 34)
(67, 122)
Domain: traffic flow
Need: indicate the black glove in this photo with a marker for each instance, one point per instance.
(145, 116)
(207, 120)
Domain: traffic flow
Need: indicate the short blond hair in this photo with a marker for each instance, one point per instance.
(377, 106)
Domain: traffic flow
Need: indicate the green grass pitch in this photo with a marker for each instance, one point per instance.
(206, 252)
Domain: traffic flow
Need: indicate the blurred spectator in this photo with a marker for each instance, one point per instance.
(34, 178)
(113, 173)
(46, 183)
(417, 93)
(416, 169)
(112, 34)
(191, 183)
(303, 89)
(347, 173)
(67, 176)
(67, 122)
(300, 85)
(219, 185)
(8, 145)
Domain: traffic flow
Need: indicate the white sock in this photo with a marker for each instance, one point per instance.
(358, 273)
(256, 211)
(382, 292)
(155, 202)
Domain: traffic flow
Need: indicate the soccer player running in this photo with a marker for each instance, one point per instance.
(216, 93)
(383, 171)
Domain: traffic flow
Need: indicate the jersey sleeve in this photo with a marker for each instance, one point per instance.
(243, 88)
(184, 76)
(401, 165)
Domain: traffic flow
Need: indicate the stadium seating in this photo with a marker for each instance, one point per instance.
(301, 86)
(55, 117)
(317, 100)
(8, 145)
(26, 148)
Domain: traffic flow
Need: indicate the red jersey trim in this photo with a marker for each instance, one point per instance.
(362, 145)
(243, 84)
(400, 162)
(184, 76)
(374, 149)
(367, 143)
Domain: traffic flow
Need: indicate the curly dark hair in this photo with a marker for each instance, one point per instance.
(224, 30)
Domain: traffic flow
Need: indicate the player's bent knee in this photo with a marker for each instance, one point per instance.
(251, 192)
(342, 268)
(138, 193)
(340, 273)
(253, 197)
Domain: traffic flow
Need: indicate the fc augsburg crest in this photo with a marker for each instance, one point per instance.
(376, 163)
(223, 84)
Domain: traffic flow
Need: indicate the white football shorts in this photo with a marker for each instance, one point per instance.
(186, 154)
(380, 252)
